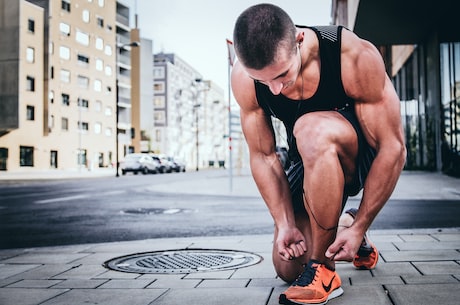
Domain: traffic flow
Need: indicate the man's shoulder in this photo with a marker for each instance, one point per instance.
(242, 86)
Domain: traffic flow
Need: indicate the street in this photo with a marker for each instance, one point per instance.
(106, 209)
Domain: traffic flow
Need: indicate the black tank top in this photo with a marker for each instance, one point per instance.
(330, 94)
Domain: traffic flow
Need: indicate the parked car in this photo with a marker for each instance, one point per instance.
(165, 165)
(139, 163)
(177, 165)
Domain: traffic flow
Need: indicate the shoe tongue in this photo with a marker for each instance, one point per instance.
(308, 274)
(314, 263)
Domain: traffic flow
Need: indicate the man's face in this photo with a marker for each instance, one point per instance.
(281, 74)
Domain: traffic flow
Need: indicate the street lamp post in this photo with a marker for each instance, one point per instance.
(195, 106)
(132, 44)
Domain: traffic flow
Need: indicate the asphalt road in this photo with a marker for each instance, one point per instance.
(64, 212)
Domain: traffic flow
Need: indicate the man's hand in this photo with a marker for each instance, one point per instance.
(345, 246)
(290, 243)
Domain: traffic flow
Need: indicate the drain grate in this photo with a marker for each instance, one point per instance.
(155, 211)
(183, 261)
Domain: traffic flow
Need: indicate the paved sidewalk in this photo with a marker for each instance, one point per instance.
(416, 266)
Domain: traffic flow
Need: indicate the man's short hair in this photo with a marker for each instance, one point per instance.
(259, 33)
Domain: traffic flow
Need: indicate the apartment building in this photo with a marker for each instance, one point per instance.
(190, 113)
(420, 44)
(59, 83)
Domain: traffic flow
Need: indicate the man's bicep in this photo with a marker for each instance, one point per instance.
(381, 120)
(258, 131)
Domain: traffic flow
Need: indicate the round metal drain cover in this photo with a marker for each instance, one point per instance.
(155, 211)
(183, 261)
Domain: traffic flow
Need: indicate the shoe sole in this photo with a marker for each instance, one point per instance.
(334, 294)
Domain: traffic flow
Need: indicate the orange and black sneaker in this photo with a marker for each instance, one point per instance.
(367, 256)
(316, 285)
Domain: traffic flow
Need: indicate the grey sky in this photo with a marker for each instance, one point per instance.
(196, 30)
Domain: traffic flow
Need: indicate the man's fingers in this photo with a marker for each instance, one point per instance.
(293, 250)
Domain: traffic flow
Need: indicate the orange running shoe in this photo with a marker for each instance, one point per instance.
(316, 285)
(367, 256)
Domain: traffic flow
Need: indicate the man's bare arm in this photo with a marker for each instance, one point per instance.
(265, 166)
(378, 111)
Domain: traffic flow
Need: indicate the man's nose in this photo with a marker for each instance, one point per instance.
(275, 87)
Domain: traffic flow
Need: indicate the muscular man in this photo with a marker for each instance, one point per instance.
(342, 118)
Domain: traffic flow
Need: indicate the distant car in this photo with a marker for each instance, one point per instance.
(139, 163)
(165, 165)
(177, 165)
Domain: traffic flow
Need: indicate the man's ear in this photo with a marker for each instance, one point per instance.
(299, 37)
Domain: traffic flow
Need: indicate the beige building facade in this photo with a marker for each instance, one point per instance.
(66, 94)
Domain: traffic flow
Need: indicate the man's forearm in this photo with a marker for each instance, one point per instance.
(273, 186)
(379, 185)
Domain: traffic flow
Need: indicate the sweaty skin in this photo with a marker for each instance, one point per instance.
(327, 144)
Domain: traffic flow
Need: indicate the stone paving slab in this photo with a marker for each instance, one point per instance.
(425, 294)
(106, 296)
(27, 296)
(220, 296)
(410, 271)
(421, 255)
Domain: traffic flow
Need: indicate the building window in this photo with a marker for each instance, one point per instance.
(83, 126)
(98, 106)
(108, 111)
(85, 16)
(101, 3)
(64, 52)
(65, 5)
(65, 76)
(31, 25)
(81, 157)
(97, 85)
(99, 64)
(108, 70)
(108, 50)
(65, 99)
(159, 72)
(52, 72)
(64, 124)
(51, 96)
(158, 135)
(83, 81)
(30, 54)
(158, 87)
(26, 156)
(108, 132)
(51, 122)
(83, 103)
(97, 128)
(159, 117)
(64, 28)
(30, 113)
(30, 86)
(100, 22)
(159, 101)
(82, 38)
(99, 43)
(83, 60)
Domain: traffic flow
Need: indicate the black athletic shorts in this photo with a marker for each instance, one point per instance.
(366, 155)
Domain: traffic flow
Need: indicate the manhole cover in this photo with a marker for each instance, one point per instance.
(183, 261)
(155, 211)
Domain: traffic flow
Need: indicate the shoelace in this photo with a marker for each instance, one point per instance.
(306, 277)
